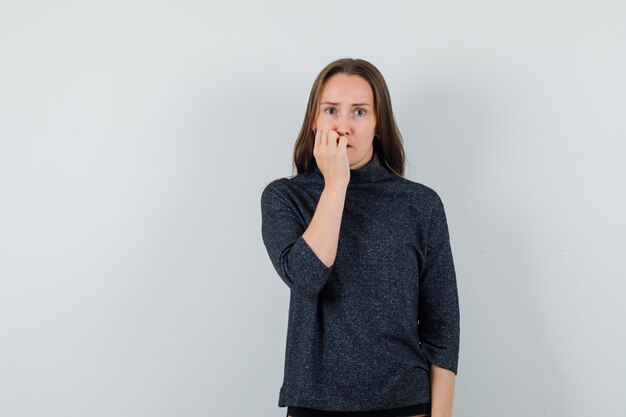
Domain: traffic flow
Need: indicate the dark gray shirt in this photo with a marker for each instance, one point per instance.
(362, 333)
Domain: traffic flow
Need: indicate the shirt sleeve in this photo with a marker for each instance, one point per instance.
(294, 260)
(439, 318)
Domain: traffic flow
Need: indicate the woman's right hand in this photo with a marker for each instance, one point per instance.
(331, 156)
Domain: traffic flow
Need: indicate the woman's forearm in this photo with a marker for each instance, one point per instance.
(322, 235)
(441, 391)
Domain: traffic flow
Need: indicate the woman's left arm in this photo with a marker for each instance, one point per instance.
(439, 315)
(442, 391)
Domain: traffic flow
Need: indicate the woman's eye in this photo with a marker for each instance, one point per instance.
(330, 110)
(360, 112)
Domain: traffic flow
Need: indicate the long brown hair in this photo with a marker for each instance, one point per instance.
(389, 145)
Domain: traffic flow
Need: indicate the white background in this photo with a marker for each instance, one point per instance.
(137, 136)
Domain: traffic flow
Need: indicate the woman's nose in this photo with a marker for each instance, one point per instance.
(343, 125)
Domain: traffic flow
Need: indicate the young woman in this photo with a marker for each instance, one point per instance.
(373, 325)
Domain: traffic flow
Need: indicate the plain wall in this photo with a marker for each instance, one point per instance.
(136, 138)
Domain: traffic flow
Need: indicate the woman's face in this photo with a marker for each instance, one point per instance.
(347, 107)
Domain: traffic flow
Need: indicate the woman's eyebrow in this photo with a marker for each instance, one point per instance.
(354, 104)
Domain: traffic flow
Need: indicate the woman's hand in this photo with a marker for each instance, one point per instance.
(322, 234)
(331, 156)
